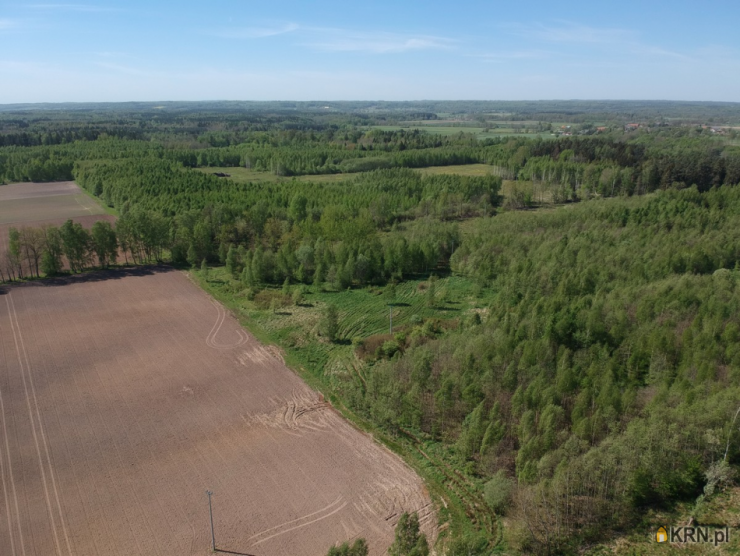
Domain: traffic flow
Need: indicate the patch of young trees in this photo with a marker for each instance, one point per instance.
(50, 250)
(603, 379)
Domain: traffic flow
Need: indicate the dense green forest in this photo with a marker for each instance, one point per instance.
(605, 373)
(598, 376)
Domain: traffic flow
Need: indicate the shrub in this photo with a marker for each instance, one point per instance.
(409, 542)
(298, 295)
(270, 299)
(390, 348)
(497, 492)
(358, 548)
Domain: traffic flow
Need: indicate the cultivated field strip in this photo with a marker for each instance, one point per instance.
(30, 190)
(141, 393)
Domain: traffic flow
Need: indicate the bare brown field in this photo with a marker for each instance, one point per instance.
(124, 395)
(15, 191)
(26, 203)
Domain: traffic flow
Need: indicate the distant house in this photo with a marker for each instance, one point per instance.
(631, 127)
(601, 129)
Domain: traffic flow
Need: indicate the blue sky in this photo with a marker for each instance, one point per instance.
(400, 50)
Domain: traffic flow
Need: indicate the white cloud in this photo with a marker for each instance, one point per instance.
(255, 32)
(72, 7)
(341, 40)
(616, 40)
(327, 39)
(112, 54)
(506, 56)
(129, 70)
(569, 32)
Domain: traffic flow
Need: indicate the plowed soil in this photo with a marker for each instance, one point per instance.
(33, 203)
(124, 395)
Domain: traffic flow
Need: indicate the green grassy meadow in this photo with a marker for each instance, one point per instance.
(459, 169)
(363, 312)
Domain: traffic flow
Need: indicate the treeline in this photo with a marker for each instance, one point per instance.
(48, 250)
(287, 153)
(55, 163)
(338, 257)
(137, 236)
(387, 195)
(604, 377)
(47, 137)
(304, 232)
(341, 233)
(568, 169)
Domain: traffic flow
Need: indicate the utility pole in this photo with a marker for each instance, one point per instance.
(391, 318)
(210, 511)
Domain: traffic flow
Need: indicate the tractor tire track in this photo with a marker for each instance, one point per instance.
(42, 466)
(7, 453)
(220, 318)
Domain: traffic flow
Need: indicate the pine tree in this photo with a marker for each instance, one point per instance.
(231, 262)
(318, 277)
(389, 293)
(330, 322)
(246, 276)
(298, 295)
(192, 257)
(258, 268)
(223, 251)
